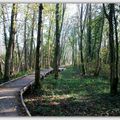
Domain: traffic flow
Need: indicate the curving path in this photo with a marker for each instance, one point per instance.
(11, 100)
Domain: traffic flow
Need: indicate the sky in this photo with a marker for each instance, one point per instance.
(71, 9)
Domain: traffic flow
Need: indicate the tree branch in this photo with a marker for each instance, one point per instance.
(107, 16)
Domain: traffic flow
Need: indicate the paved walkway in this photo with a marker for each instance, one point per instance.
(10, 95)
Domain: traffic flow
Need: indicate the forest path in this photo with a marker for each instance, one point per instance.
(11, 100)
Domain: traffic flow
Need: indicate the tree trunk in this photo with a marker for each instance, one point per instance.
(13, 47)
(37, 64)
(31, 42)
(98, 51)
(113, 80)
(19, 56)
(82, 26)
(73, 53)
(8, 56)
(12, 60)
(112, 52)
(49, 33)
(89, 33)
(117, 49)
(61, 25)
(25, 41)
(4, 28)
(42, 50)
(57, 43)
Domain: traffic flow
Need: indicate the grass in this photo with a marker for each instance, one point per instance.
(73, 95)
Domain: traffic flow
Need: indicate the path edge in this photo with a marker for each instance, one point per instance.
(14, 79)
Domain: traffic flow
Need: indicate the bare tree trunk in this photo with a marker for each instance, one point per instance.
(113, 80)
(82, 26)
(31, 43)
(48, 60)
(13, 47)
(63, 13)
(98, 51)
(12, 61)
(57, 43)
(42, 50)
(25, 41)
(19, 56)
(112, 52)
(4, 27)
(10, 45)
(37, 65)
(89, 32)
(117, 48)
(73, 53)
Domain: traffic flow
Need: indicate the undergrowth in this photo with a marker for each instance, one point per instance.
(73, 95)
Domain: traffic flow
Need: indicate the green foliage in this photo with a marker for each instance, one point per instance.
(74, 95)
(19, 74)
(105, 70)
(91, 67)
(104, 54)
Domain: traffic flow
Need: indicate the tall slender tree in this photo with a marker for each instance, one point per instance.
(25, 39)
(117, 45)
(82, 26)
(49, 33)
(57, 43)
(8, 56)
(37, 64)
(89, 29)
(113, 80)
(32, 38)
(61, 25)
(98, 60)
(4, 27)
(13, 47)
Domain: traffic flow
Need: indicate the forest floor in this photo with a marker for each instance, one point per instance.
(72, 95)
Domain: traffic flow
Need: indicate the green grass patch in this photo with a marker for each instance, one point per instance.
(73, 95)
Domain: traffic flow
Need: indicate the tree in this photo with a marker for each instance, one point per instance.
(89, 32)
(25, 40)
(49, 32)
(99, 36)
(4, 27)
(82, 26)
(37, 64)
(113, 80)
(57, 43)
(117, 46)
(32, 38)
(61, 26)
(8, 56)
